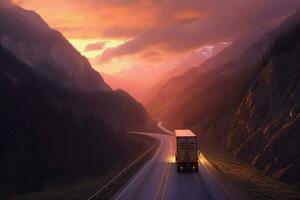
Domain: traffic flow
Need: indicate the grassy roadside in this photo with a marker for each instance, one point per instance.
(82, 188)
(245, 177)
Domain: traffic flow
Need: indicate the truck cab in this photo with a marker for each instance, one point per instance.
(186, 150)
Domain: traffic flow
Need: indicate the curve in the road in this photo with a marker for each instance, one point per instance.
(158, 178)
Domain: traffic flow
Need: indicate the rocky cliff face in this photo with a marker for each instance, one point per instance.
(260, 124)
(210, 93)
(267, 126)
(46, 51)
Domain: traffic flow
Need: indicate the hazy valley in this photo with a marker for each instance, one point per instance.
(63, 122)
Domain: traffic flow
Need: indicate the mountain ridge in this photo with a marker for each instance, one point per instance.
(41, 47)
(49, 131)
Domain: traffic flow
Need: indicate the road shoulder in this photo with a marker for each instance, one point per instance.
(248, 182)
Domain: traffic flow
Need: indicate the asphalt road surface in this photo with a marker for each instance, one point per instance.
(158, 178)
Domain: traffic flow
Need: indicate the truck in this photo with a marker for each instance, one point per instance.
(186, 150)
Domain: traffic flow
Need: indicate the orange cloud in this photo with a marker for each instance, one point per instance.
(186, 25)
(189, 16)
(109, 19)
(173, 27)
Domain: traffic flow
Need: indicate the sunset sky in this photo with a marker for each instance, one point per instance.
(117, 34)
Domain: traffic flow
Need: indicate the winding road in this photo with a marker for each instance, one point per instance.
(159, 179)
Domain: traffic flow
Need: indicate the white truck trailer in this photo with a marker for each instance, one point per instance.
(186, 150)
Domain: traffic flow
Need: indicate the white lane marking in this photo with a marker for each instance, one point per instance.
(141, 171)
(164, 173)
(169, 166)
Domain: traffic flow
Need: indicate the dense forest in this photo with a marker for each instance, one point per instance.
(48, 131)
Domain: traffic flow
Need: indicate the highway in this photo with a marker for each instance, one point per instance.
(159, 179)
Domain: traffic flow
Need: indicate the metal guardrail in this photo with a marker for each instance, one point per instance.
(103, 192)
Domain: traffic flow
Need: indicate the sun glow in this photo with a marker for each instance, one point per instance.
(80, 45)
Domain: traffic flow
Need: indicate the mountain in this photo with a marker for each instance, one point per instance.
(202, 95)
(194, 94)
(266, 127)
(246, 98)
(194, 59)
(142, 82)
(46, 51)
(48, 132)
(58, 118)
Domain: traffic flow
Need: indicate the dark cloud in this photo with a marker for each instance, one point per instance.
(220, 22)
(94, 46)
(117, 3)
(172, 26)
(150, 54)
(120, 32)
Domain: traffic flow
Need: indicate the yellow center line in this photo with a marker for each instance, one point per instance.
(169, 167)
(160, 184)
(163, 177)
